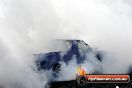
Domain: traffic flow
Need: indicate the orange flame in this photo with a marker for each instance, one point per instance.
(81, 71)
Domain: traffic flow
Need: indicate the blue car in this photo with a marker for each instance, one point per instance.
(51, 60)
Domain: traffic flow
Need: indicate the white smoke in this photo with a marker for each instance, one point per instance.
(102, 24)
(29, 26)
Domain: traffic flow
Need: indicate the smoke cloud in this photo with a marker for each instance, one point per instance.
(28, 27)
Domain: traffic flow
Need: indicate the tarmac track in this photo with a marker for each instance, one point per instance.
(73, 84)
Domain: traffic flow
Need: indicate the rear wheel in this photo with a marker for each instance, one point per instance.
(56, 67)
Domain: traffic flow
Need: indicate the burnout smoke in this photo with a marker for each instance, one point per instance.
(28, 27)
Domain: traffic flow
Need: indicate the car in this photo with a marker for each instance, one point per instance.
(51, 61)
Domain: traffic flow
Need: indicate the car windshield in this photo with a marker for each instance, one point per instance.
(83, 47)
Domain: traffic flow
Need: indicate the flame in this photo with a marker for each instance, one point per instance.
(81, 71)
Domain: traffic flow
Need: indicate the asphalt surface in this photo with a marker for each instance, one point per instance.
(73, 84)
